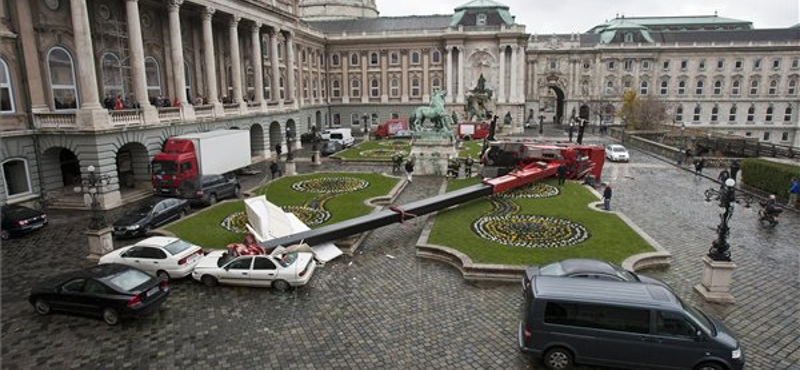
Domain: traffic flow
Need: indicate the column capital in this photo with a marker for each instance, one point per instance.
(174, 5)
(288, 35)
(208, 12)
(132, 1)
(256, 27)
(234, 21)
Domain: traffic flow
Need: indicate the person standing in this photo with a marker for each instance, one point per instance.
(794, 190)
(275, 169)
(409, 169)
(561, 171)
(607, 197)
(723, 175)
(278, 151)
(735, 166)
(698, 166)
(468, 166)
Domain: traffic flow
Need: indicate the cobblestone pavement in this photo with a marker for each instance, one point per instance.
(384, 308)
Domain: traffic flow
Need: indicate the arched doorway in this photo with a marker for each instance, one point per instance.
(275, 135)
(256, 141)
(133, 165)
(61, 169)
(557, 104)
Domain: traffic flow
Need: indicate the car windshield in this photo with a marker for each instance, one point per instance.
(553, 269)
(164, 168)
(619, 149)
(177, 247)
(700, 318)
(286, 259)
(337, 136)
(129, 279)
(144, 210)
(226, 257)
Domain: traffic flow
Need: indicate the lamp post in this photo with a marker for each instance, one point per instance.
(541, 124)
(291, 168)
(99, 233)
(717, 265)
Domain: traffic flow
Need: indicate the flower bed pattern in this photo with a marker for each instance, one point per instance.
(532, 191)
(330, 185)
(235, 223)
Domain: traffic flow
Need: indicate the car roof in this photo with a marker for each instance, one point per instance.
(97, 272)
(615, 146)
(571, 266)
(156, 241)
(604, 291)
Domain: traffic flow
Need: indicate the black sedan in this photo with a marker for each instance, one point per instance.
(18, 220)
(589, 268)
(147, 217)
(331, 147)
(111, 291)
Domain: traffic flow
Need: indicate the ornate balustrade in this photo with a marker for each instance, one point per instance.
(127, 117)
(169, 114)
(55, 120)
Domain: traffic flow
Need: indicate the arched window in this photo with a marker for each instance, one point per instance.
(335, 60)
(373, 59)
(394, 88)
(754, 87)
(792, 87)
(436, 84)
(664, 87)
(374, 88)
(355, 88)
(415, 87)
(768, 115)
(696, 115)
(394, 58)
(111, 69)
(336, 88)
(679, 114)
(735, 86)
(751, 114)
(628, 37)
(718, 87)
(354, 59)
(643, 88)
(714, 114)
(436, 57)
(681, 87)
(267, 87)
(62, 79)
(415, 57)
(787, 114)
(773, 87)
(609, 87)
(732, 114)
(16, 177)
(153, 77)
(6, 91)
(699, 87)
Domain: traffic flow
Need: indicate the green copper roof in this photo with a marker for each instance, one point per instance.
(686, 20)
(482, 4)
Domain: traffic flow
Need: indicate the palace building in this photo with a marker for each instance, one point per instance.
(105, 82)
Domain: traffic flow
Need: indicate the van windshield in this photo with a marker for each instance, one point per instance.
(700, 318)
(164, 168)
(337, 136)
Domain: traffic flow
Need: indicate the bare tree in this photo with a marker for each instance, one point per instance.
(642, 113)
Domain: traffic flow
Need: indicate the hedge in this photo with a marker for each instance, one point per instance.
(771, 177)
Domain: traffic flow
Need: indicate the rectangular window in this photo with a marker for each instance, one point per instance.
(665, 65)
(630, 320)
(766, 136)
(646, 65)
(795, 63)
(684, 65)
(553, 63)
(611, 65)
(784, 136)
(732, 115)
(481, 20)
(628, 65)
(739, 63)
(721, 64)
(702, 65)
(776, 63)
(714, 115)
(394, 58)
(757, 64)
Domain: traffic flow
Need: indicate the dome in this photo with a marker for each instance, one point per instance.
(326, 10)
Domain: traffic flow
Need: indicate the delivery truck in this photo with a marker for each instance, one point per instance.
(390, 128)
(186, 158)
(473, 130)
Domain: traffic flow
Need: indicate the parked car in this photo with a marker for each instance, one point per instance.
(280, 271)
(111, 291)
(212, 188)
(331, 147)
(147, 217)
(343, 136)
(617, 153)
(404, 134)
(589, 268)
(19, 220)
(164, 257)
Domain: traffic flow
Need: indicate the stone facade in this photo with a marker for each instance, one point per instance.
(183, 66)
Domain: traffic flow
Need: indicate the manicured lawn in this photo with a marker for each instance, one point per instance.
(472, 148)
(376, 150)
(611, 239)
(204, 228)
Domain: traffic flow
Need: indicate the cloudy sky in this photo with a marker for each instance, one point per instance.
(565, 16)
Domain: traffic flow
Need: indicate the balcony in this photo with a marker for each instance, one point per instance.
(55, 120)
(171, 114)
(127, 117)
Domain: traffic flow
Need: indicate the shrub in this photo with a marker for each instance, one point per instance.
(769, 176)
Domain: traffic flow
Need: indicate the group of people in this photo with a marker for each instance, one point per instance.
(119, 103)
(454, 167)
(399, 162)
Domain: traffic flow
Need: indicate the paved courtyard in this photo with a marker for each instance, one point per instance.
(385, 309)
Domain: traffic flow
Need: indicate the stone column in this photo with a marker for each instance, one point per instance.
(212, 93)
(236, 60)
(274, 62)
(460, 96)
(30, 52)
(258, 66)
(176, 43)
(91, 113)
(404, 83)
(384, 76)
(345, 83)
(449, 73)
(514, 66)
(501, 85)
(426, 80)
(137, 61)
(301, 78)
(310, 73)
(365, 85)
(290, 86)
(321, 90)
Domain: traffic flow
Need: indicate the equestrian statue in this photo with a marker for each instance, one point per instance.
(435, 112)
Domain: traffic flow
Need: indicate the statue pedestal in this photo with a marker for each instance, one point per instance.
(315, 158)
(431, 154)
(716, 284)
(100, 242)
(291, 168)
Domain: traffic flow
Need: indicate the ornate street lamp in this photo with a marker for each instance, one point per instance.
(541, 124)
(717, 265)
(91, 187)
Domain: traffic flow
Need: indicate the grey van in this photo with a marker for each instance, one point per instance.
(212, 188)
(620, 324)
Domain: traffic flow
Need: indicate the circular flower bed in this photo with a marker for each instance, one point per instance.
(330, 185)
(530, 231)
(533, 191)
(378, 153)
(235, 223)
(309, 216)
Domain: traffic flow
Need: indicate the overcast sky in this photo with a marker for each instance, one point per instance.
(566, 16)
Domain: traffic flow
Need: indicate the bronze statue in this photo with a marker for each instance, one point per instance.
(435, 112)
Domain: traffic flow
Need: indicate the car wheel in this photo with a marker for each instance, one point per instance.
(162, 275)
(237, 191)
(708, 366)
(212, 199)
(42, 307)
(209, 280)
(110, 316)
(281, 285)
(182, 214)
(558, 359)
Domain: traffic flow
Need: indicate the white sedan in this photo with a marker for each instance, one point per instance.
(617, 153)
(280, 271)
(164, 257)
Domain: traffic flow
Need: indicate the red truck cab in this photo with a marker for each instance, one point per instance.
(174, 166)
(473, 130)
